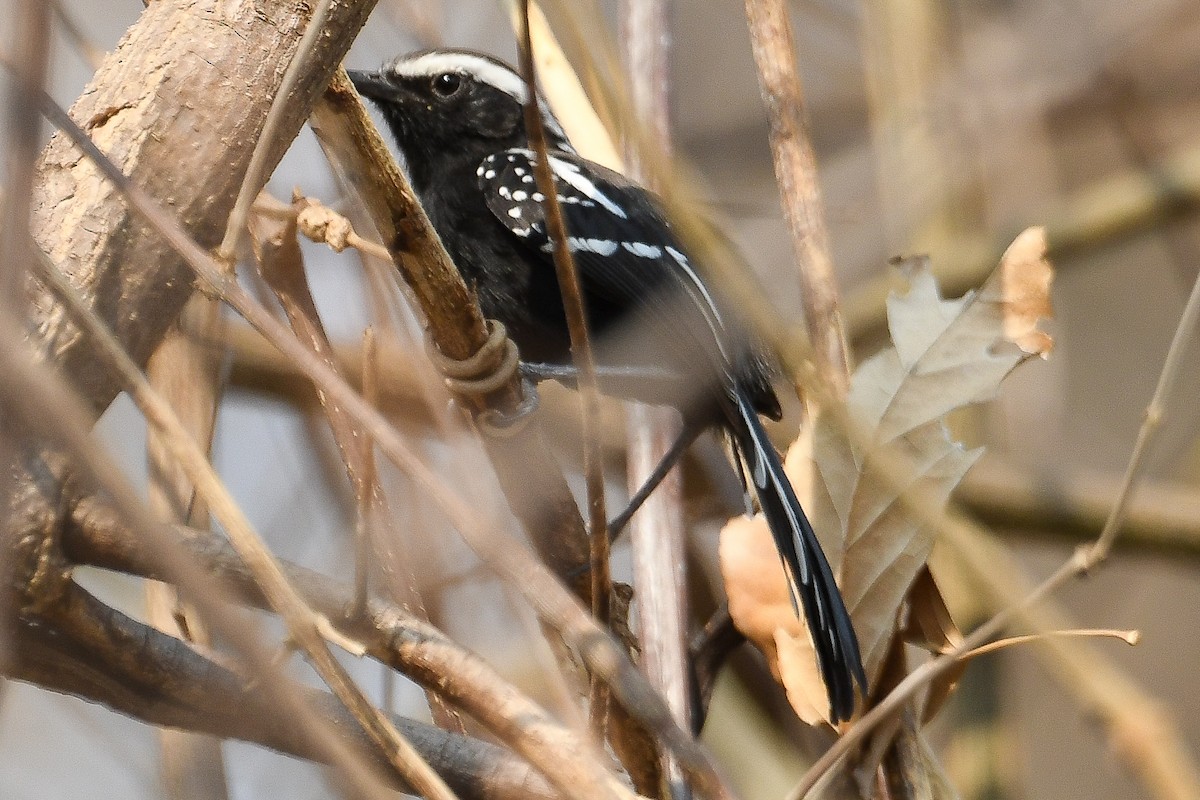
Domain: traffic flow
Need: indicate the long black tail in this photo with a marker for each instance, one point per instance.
(809, 575)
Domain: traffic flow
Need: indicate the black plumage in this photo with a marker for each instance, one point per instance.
(457, 117)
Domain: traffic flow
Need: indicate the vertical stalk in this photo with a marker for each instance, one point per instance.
(186, 372)
(774, 48)
(657, 530)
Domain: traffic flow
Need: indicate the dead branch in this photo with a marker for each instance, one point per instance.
(799, 187)
(181, 72)
(99, 538)
(158, 679)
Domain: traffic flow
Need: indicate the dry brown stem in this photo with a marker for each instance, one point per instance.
(582, 357)
(188, 376)
(799, 186)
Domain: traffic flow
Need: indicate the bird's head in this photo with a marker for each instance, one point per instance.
(452, 103)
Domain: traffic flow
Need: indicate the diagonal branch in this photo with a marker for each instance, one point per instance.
(181, 72)
(95, 653)
(96, 536)
(304, 627)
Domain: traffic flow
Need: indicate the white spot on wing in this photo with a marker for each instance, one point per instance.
(642, 249)
(515, 212)
(603, 247)
(573, 175)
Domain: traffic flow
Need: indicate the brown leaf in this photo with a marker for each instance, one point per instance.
(930, 627)
(946, 354)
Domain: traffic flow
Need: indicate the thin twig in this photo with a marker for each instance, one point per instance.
(87, 49)
(367, 486)
(1130, 638)
(256, 176)
(657, 530)
(581, 352)
(774, 49)
(577, 324)
(22, 139)
(1155, 412)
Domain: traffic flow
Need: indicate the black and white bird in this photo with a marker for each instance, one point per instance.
(662, 334)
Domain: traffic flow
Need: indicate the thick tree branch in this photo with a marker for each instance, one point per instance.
(92, 652)
(96, 536)
(181, 72)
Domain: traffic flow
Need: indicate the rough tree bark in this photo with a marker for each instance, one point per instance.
(179, 105)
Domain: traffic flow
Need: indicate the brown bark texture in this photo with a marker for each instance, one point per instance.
(179, 105)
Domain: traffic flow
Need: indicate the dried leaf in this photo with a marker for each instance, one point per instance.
(930, 627)
(946, 354)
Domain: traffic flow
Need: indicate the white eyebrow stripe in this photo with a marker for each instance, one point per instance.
(430, 65)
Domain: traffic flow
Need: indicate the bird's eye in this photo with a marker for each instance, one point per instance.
(447, 83)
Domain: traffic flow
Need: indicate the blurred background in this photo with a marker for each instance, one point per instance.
(940, 127)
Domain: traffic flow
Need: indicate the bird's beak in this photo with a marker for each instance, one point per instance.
(372, 85)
